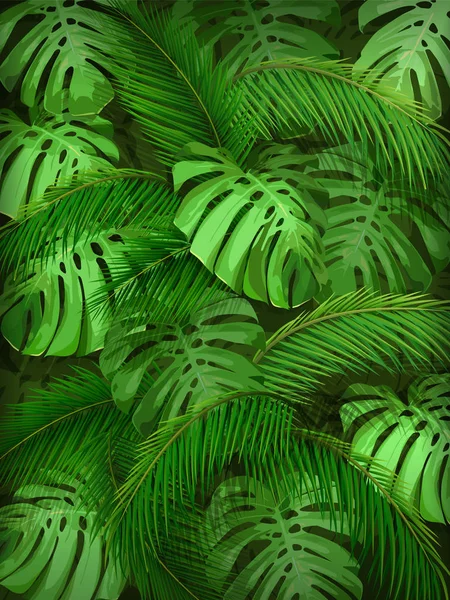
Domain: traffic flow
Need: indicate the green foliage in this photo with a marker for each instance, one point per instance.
(261, 31)
(327, 98)
(49, 550)
(410, 438)
(195, 362)
(33, 156)
(55, 48)
(355, 333)
(45, 311)
(184, 97)
(257, 238)
(243, 169)
(405, 50)
(368, 238)
(284, 544)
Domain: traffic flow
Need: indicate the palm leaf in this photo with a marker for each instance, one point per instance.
(168, 83)
(157, 280)
(85, 206)
(186, 451)
(355, 333)
(63, 430)
(327, 97)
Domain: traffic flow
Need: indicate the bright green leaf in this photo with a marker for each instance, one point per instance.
(48, 550)
(249, 228)
(33, 157)
(409, 437)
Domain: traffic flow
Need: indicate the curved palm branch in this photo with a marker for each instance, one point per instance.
(355, 333)
(66, 429)
(261, 432)
(310, 94)
(86, 206)
(168, 83)
(157, 280)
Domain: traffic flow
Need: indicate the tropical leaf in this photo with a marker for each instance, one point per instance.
(410, 50)
(329, 99)
(194, 357)
(66, 430)
(368, 241)
(83, 208)
(410, 438)
(182, 98)
(34, 156)
(355, 333)
(62, 50)
(259, 32)
(249, 228)
(280, 544)
(46, 312)
(180, 458)
(157, 280)
(48, 550)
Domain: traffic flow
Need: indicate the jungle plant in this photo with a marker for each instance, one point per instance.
(205, 452)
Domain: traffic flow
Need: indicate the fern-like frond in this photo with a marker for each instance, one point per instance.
(85, 207)
(180, 459)
(169, 84)
(157, 280)
(356, 333)
(309, 95)
(64, 430)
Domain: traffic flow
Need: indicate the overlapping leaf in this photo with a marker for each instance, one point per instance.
(327, 98)
(410, 438)
(249, 228)
(48, 550)
(182, 97)
(356, 333)
(257, 32)
(189, 361)
(411, 50)
(279, 545)
(63, 50)
(369, 224)
(46, 312)
(34, 156)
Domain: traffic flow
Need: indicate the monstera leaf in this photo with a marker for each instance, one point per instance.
(47, 313)
(33, 156)
(409, 438)
(62, 49)
(405, 50)
(281, 549)
(250, 229)
(262, 31)
(369, 228)
(199, 360)
(48, 551)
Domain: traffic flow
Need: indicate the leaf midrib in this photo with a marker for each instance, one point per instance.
(279, 336)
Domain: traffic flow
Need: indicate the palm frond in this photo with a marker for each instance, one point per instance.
(260, 431)
(326, 96)
(64, 429)
(84, 207)
(356, 333)
(168, 83)
(157, 280)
